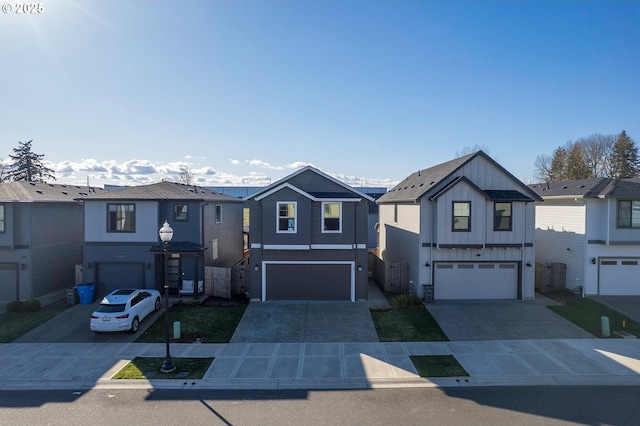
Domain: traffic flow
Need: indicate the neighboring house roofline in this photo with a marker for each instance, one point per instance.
(588, 188)
(41, 192)
(280, 182)
(163, 191)
(425, 182)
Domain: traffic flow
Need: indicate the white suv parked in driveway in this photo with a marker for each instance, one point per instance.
(124, 309)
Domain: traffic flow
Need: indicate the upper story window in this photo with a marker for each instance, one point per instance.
(121, 218)
(2, 220)
(461, 216)
(395, 213)
(331, 217)
(180, 212)
(218, 214)
(628, 214)
(286, 218)
(502, 217)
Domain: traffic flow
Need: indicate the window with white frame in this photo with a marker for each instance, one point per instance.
(121, 218)
(331, 217)
(286, 216)
(218, 214)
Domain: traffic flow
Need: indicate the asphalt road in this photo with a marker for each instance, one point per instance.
(479, 406)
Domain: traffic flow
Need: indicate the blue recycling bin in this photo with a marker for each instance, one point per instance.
(86, 291)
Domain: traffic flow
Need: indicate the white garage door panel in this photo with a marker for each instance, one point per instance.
(476, 281)
(620, 277)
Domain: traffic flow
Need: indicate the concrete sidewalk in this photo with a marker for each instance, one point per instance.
(327, 365)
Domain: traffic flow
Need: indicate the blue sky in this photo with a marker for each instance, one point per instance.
(243, 92)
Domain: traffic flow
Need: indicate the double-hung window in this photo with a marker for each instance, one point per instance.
(121, 218)
(628, 214)
(331, 217)
(2, 219)
(502, 216)
(286, 219)
(180, 212)
(461, 221)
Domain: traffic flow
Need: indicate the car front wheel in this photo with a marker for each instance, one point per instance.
(135, 324)
(157, 306)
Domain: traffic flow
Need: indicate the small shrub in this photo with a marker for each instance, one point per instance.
(31, 305)
(15, 306)
(405, 301)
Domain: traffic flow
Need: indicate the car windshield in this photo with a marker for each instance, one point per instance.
(111, 308)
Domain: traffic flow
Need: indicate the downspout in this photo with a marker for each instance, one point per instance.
(608, 220)
(355, 252)
(524, 248)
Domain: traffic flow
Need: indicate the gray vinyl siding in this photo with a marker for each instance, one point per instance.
(6, 237)
(133, 253)
(228, 234)
(187, 230)
(57, 237)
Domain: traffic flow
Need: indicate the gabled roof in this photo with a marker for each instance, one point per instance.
(163, 191)
(423, 182)
(282, 183)
(29, 192)
(589, 188)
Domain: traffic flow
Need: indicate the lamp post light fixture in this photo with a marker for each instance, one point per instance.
(166, 233)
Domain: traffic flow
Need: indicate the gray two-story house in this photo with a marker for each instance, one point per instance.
(121, 243)
(308, 239)
(40, 239)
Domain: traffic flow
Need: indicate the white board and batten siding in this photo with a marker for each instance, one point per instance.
(560, 238)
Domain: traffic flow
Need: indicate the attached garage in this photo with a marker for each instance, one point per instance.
(619, 277)
(308, 281)
(111, 276)
(467, 280)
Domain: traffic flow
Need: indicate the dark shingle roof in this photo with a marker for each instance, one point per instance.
(23, 192)
(507, 195)
(421, 182)
(590, 188)
(164, 191)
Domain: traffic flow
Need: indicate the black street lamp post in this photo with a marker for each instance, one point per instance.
(166, 233)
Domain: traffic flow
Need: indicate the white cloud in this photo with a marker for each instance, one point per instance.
(264, 165)
(234, 162)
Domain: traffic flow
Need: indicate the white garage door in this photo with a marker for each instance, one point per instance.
(476, 281)
(620, 277)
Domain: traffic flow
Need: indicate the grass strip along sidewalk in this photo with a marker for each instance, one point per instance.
(587, 313)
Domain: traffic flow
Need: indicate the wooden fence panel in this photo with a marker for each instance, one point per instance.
(218, 281)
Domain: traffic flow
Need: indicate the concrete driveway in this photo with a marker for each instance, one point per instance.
(305, 322)
(72, 326)
(504, 320)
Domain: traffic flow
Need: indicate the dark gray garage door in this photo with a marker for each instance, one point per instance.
(112, 276)
(308, 281)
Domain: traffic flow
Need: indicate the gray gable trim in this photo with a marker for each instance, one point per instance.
(423, 182)
(300, 171)
(456, 182)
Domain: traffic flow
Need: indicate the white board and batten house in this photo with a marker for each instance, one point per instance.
(592, 226)
(465, 228)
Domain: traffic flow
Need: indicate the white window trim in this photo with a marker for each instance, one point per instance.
(295, 217)
(339, 230)
(218, 206)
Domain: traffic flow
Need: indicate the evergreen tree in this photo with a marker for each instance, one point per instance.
(576, 166)
(558, 170)
(624, 161)
(26, 166)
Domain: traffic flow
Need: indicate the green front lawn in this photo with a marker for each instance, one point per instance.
(149, 368)
(586, 314)
(210, 324)
(414, 324)
(15, 324)
(438, 366)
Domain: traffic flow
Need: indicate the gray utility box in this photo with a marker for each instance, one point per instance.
(72, 296)
(551, 277)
